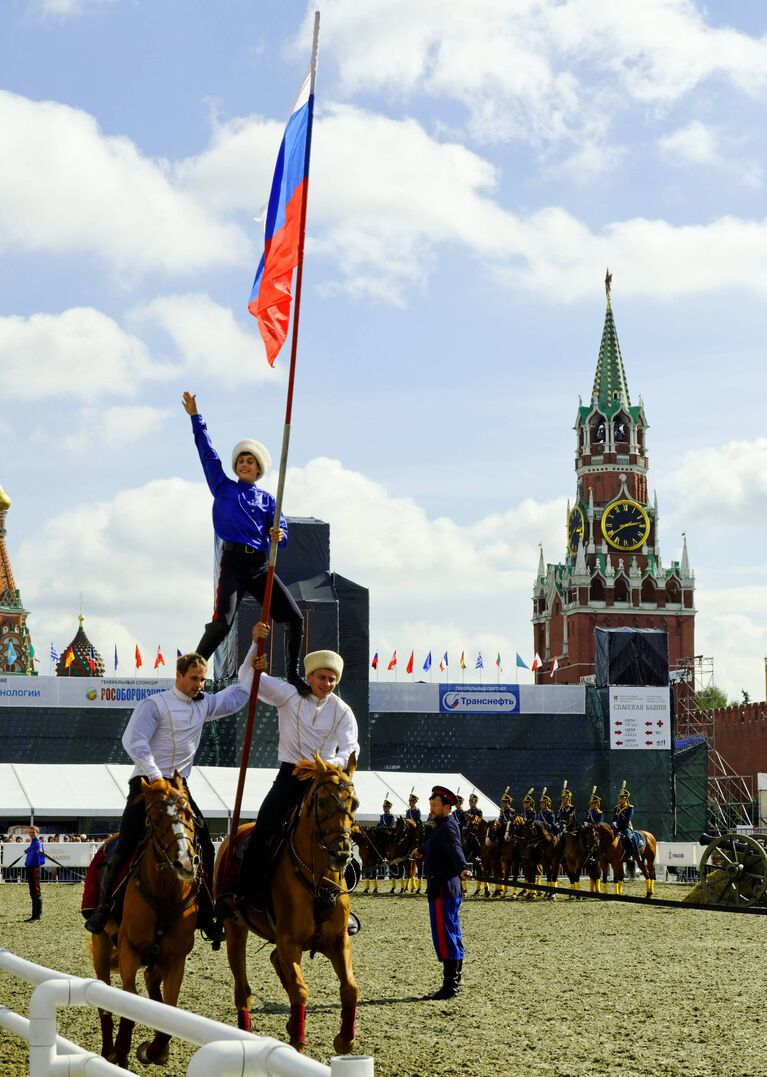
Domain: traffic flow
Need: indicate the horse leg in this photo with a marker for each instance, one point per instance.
(289, 958)
(102, 965)
(340, 958)
(647, 864)
(129, 966)
(158, 1049)
(236, 939)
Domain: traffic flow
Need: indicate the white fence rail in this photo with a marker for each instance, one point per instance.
(224, 1050)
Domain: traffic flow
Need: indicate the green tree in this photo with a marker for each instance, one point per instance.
(710, 698)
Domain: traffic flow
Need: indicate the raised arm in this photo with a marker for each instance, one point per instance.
(209, 458)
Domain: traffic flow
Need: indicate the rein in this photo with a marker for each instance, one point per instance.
(324, 889)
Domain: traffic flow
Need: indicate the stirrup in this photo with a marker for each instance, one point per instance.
(353, 927)
(225, 907)
(97, 920)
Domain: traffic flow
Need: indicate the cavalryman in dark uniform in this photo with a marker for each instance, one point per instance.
(546, 813)
(444, 867)
(595, 814)
(506, 813)
(566, 810)
(622, 824)
(528, 806)
(460, 814)
(473, 809)
(413, 812)
(386, 818)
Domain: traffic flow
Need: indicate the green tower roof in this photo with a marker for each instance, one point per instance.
(611, 391)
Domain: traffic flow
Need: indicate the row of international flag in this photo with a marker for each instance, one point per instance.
(479, 663)
(69, 657)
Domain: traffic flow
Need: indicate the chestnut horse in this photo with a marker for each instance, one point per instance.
(158, 920)
(613, 855)
(578, 853)
(310, 901)
(541, 854)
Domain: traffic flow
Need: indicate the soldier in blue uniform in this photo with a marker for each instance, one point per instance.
(595, 814)
(545, 813)
(413, 812)
(444, 867)
(386, 818)
(566, 810)
(623, 825)
(506, 814)
(528, 806)
(474, 811)
(460, 814)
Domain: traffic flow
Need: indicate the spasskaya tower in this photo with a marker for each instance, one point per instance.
(612, 575)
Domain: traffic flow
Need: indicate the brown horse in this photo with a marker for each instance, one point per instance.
(158, 919)
(613, 855)
(541, 853)
(310, 901)
(577, 854)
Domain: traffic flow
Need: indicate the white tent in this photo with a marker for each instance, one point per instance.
(31, 792)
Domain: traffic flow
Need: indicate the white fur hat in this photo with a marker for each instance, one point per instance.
(324, 660)
(258, 450)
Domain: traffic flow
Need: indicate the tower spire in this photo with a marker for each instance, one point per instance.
(611, 391)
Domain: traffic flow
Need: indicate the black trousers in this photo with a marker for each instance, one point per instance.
(33, 882)
(286, 793)
(243, 574)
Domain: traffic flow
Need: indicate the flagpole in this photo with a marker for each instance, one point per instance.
(267, 601)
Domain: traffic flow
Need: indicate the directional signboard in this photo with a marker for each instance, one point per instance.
(640, 718)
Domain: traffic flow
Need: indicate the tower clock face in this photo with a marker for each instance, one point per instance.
(625, 525)
(576, 528)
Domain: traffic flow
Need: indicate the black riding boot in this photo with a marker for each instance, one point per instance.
(97, 920)
(37, 910)
(450, 981)
(294, 637)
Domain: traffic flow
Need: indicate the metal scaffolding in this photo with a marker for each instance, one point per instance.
(730, 795)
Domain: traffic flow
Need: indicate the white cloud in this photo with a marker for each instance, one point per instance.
(540, 71)
(79, 353)
(728, 482)
(68, 9)
(434, 584)
(208, 339)
(65, 186)
(98, 429)
(697, 143)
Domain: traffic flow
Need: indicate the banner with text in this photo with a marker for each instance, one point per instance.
(640, 718)
(79, 691)
(479, 699)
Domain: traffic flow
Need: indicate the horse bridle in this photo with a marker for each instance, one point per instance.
(336, 786)
(178, 801)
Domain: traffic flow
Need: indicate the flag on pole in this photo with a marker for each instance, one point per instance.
(271, 295)
(536, 662)
(521, 664)
(409, 666)
(462, 663)
(479, 664)
(178, 653)
(54, 654)
(443, 663)
(498, 662)
(159, 660)
(374, 663)
(69, 658)
(138, 657)
(427, 663)
(393, 661)
(11, 653)
(554, 665)
(116, 659)
(92, 660)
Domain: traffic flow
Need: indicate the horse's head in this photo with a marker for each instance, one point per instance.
(330, 804)
(171, 825)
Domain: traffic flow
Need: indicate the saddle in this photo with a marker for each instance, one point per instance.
(92, 884)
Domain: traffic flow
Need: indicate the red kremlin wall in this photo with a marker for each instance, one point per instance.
(741, 738)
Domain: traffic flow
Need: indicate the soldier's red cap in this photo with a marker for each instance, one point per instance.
(446, 795)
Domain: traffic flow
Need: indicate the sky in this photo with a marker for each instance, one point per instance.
(475, 169)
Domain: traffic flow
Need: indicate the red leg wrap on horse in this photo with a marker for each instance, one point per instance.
(298, 1022)
(348, 1023)
(243, 1020)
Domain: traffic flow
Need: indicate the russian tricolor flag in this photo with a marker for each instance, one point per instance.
(270, 296)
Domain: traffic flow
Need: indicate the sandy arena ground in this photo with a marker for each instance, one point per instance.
(564, 989)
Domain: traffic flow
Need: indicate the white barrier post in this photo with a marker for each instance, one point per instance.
(266, 1056)
(351, 1066)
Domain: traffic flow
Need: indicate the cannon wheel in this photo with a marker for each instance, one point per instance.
(733, 870)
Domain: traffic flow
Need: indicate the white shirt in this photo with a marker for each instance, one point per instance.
(308, 724)
(164, 731)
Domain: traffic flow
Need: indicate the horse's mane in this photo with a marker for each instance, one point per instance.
(311, 769)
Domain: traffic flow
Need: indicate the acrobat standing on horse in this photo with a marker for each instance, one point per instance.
(243, 519)
(320, 722)
(623, 824)
(162, 737)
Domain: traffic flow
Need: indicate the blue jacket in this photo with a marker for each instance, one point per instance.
(443, 859)
(414, 814)
(622, 819)
(386, 819)
(35, 857)
(241, 511)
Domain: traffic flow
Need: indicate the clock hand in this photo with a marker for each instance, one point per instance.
(620, 527)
